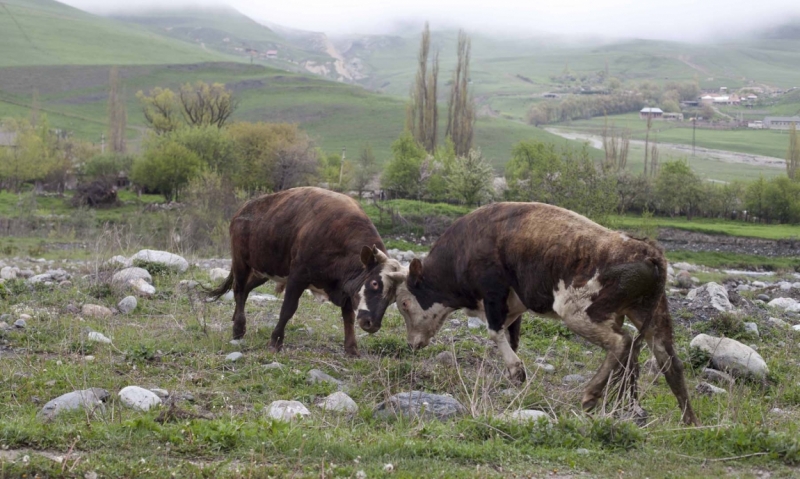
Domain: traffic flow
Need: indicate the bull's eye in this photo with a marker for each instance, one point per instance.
(374, 284)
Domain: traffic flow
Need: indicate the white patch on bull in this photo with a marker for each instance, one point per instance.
(569, 301)
(320, 295)
(513, 363)
(362, 303)
(624, 237)
(515, 308)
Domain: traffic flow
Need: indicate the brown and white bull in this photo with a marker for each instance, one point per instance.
(311, 238)
(508, 258)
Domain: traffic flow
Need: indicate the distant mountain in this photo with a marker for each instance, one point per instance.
(786, 31)
(45, 32)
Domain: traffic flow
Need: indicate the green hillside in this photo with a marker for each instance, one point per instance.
(45, 32)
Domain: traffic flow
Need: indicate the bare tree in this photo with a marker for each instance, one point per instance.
(616, 147)
(422, 115)
(295, 164)
(461, 109)
(117, 117)
(366, 166)
(205, 104)
(793, 156)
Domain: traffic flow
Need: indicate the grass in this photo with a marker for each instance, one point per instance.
(713, 226)
(735, 260)
(179, 344)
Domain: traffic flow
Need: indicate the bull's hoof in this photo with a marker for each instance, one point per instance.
(517, 374)
(639, 415)
(589, 404)
(274, 347)
(352, 352)
(238, 330)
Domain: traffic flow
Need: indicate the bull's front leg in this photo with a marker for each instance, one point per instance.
(516, 370)
(349, 319)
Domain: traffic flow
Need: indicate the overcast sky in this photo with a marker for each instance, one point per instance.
(671, 19)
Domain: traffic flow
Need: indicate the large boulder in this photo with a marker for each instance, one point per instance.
(732, 356)
(786, 304)
(710, 294)
(126, 276)
(90, 399)
(163, 258)
(416, 404)
(138, 398)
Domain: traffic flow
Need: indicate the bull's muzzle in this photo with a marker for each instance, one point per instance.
(367, 323)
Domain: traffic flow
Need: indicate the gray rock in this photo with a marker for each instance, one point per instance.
(96, 337)
(709, 390)
(4, 326)
(763, 297)
(286, 410)
(53, 275)
(475, 323)
(776, 411)
(234, 356)
(127, 304)
(525, 415)
(751, 329)
(686, 267)
(731, 355)
(416, 404)
(273, 365)
(20, 324)
(446, 358)
(777, 323)
(582, 451)
(339, 402)
(139, 398)
(787, 304)
(683, 279)
(796, 327)
(547, 368)
(90, 399)
(142, 287)
(8, 273)
(710, 294)
(118, 261)
(758, 284)
(316, 376)
(218, 274)
(95, 311)
(785, 285)
(25, 273)
(718, 377)
(573, 379)
(796, 285)
(124, 277)
(261, 298)
(162, 393)
(163, 258)
(743, 287)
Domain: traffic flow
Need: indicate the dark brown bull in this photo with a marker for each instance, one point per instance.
(311, 238)
(508, 258)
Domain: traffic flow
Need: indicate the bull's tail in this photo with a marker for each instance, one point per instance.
(220, 290)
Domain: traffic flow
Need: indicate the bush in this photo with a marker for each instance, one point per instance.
(166, 168)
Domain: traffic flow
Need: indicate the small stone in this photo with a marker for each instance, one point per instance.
(710, 390)
(573, 379)
(751, 329)
(273, 365)
(234, 356)
(139, 398)
(777, 323)
(339, 402)
(26, 317)
(163, 258)
(261, 298)
(525, 415)
(235, 342)
(124, 277)
(98, 337)
(65, 284)
(718, 377)
(785, 285)
(548, 368)
(388, 468)
(416, 404)
(287, 410)
(776, 411)
(582, 451)
(475, 323)
(20, 323)
(95, 311)
(162, 393)
(743, 287)
(731, 355)
(710, 294)
(446, 358)
(218, 274)
(127, 304)
(91, 399)
(759, 285)
(142, 287)
(88, 358)
(4, 326)
(315, 376)
(361, 474)
(786, 304)
(796, 327)
(763, 297)
(683, 279)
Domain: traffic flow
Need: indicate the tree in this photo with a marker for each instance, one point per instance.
(105, 167)
(460, 108)
(366, 167)
(213, 146)
(117, 117)
(195, 105)
(160, 110)
(31, 157)
(295, 163)
(404, 175)
(530, 171)
(470, 180)
(783, 197)
(678, 188)
(755, 199)
(793, 156)
(422, 115)
(166, 167)
(707, 111)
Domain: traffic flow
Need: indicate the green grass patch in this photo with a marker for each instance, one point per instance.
(735, 260)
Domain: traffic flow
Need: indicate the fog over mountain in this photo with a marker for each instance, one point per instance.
(679, 20)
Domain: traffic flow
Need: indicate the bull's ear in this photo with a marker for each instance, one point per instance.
(380, 256)
(415, 272)
(367, 256)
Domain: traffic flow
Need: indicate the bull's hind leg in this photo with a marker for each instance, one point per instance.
(514, 333)
(241, 274)
(291, 298)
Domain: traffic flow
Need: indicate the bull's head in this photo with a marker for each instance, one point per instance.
(421, 324)
(378, 292)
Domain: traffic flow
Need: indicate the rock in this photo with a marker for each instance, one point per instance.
(685, 267)
(731, 355)
(796, 327)
(547, 368)
(683, 279)
(138, 398)
(525, 415)
(446, 358)
(787, 304)
(709, 390)
(777, 323)
(315, 376)
(717, 376)
(161, 393)
(416, 404)
(52, 276)
(65, 284)
(287, 410)
(97, 337)
(670, 270)
(234, 356)
(785, 286)
(187, 284)
(141, 287)
(118, 261)
(776, 411)
(227, 296)
(758, 284)
(25, 273)
(8, 273)
(90, 399)
(573, 379)
(4, 326)
(235, 342)
(339, 402)
(218, 274)
(796, 285)
(20, 324)
(751, 329)
(95, 311)
(743, 287)
(126, 276)
(163, 258)
(710, 294)
(127, 304)
(261, 298)
(582, 451)
(475, 323)
(273, 365)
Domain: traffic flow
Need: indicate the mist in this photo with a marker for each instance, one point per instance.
(677, 20)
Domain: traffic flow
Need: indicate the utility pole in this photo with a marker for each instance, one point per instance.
(102, 143)
(694, 124)
(341, 166)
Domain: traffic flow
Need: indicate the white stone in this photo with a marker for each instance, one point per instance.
(709, 389)
(138, 398)
(525, 415)
(119, 261)
(218, 274)
(787, 304)
(162, 393)
(87, 398)
(751, 328)
(785, 285)
(339, 402)
(759, 284)
(685, 267)
(234, 356)
(172, 261)
(743, 287)
(796, 285)
(261, 298)
(142, 287)
(286, 410)
(717, 293)
(8, 273)
(127, 304)
(95, 311)
(125, 276)
(274, 365)
(796, 327)
(475, 323)
(777, 323)
(731, 355)
(98, 337)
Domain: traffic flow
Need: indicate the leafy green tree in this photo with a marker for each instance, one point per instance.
(166, 167)
(365, 169)
(214, 146)
(105, 167)
(755, 199)
(678, 188)
(783, 198)
(793, 155)
(529, 171)
(406, 172)
(32, 156)
(470, 180)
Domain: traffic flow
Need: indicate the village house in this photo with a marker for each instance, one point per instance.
(648, 112)
(755, 124)
(673, 116)
(272, 54)
(781, 122)
(7, 139)
(718, 99)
